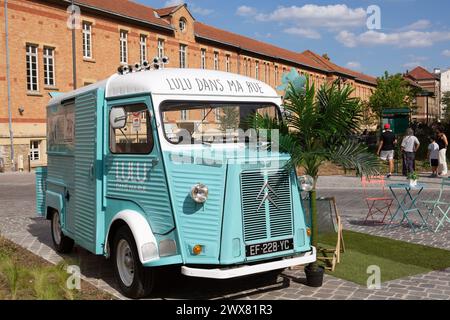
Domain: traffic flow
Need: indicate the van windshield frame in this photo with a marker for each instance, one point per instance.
(207, 127)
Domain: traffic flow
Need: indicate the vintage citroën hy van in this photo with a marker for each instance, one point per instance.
(156, 167)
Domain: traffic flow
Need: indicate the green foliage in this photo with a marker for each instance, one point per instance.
(38, 282)
(393, 91)
(413, 176)
(320, 128)
(229, 119)
(446, 103)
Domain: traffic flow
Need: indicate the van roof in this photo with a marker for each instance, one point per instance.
(186, 82)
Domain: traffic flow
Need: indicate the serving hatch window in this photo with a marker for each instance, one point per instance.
(135, 135)
(211, 123)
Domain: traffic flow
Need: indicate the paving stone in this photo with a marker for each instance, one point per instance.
(20, 226)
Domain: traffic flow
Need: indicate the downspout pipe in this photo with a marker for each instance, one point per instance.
(74, 48)
(8, 80)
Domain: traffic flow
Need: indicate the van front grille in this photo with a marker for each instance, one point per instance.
(266, 205)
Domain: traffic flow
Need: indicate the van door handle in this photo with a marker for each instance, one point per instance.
(91, 171)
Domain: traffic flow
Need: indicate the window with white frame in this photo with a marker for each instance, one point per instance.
(203, 59)
(228, 63)
(276, 75)
(216, 60)
(123, 46)
(32, 67)
(87, 40)
(35, 152)
(183, 56)
(265, 72)
(143, 47)
(49, 66)
(182, 24)
(161, 52)
(183, 115)
(217, 114)
(257, 69)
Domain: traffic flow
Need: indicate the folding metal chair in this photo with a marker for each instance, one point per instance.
(439, 209)
(377, 205)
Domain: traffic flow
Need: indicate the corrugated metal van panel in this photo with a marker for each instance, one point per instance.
(41, 187)
(85, 162)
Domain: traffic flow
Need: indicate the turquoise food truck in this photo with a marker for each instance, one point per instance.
(154, 168)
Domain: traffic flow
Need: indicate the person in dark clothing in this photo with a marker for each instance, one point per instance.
(387, 147)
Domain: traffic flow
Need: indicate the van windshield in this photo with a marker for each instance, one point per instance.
(208, 123)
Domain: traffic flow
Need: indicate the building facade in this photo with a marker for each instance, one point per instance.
(428, 100)
(36, 43)
(445, 86)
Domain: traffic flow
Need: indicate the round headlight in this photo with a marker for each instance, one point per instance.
(306, 183)
(199, 193)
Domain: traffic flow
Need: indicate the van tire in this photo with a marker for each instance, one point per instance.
(62, 243)
(141, 282)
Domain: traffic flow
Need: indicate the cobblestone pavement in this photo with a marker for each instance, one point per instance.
(19, 224)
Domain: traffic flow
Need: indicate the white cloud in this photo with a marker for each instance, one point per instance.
(407, 39)
(354, 65)
(172, 3)
(311, 15)
(246, 11)
(201, 11)
(446, 53)
(304, 33)
(418, 25)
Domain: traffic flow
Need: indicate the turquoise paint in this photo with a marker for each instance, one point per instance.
(164, 198)
(41, 188)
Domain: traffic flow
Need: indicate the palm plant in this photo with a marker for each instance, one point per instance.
(320, 126)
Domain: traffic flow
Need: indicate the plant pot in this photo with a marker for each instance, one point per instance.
(314, 276)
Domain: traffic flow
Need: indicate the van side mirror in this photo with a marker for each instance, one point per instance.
(118, 118)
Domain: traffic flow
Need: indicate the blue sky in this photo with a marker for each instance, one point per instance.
(413, 32)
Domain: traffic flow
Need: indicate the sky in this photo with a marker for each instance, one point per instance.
(367, 35)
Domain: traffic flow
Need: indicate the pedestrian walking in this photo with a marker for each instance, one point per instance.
(442, 141)
(410, 145)
(387, 147)
(433, 156)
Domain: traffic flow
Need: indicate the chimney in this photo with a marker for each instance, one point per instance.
(437, 71)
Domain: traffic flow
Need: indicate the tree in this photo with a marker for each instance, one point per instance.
(446, 103)
(229, 119)
(320, 126)
(393, 91)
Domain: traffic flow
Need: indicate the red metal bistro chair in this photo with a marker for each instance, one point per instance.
(376, 205)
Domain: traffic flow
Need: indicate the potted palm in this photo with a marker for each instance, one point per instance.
(320, 124)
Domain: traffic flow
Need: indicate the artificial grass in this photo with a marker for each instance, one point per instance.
(396, 259)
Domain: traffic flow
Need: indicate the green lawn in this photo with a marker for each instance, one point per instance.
(396, 259)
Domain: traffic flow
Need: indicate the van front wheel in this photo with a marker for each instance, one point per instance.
(135, 281)
(62, 243)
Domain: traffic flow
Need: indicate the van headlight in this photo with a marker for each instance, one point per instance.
(199, 193)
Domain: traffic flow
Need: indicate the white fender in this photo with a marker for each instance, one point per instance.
(142, 233)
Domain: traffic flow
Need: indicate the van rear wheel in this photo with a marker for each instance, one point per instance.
(135, 281)
(62, 243)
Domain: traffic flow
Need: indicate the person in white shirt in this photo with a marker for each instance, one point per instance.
(433, 155)
(410, 145)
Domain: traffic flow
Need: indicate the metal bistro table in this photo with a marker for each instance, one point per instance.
(406, 207)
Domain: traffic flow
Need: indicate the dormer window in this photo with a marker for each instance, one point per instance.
(182, 24)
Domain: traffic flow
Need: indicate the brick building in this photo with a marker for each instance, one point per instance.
(428, 100)
(109, 33)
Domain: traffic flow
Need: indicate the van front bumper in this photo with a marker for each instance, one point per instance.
(239, 271)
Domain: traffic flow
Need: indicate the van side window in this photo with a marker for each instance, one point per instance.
(135, 137)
